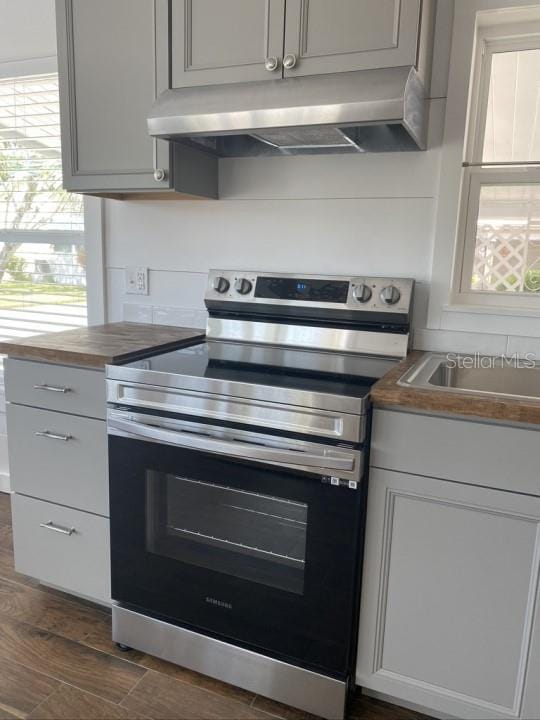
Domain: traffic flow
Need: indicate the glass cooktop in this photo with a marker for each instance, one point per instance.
(335, 373)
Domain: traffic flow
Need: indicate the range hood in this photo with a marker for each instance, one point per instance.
(362, 111)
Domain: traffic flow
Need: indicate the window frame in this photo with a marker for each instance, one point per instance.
(96, 300)
(476, 173)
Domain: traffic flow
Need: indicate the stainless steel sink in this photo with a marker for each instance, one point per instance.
(507, 377)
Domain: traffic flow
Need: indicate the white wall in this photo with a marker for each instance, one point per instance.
(342, 214)
(27, 30)
(367, 214)
(370, 214)
(507, 330)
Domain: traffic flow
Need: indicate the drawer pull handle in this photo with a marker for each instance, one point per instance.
(52, 436)
(52, 388)
(57, 528)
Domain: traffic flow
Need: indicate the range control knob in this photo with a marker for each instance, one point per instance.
(390, 295)
(221, 284)
(362, 293)
(243, 286)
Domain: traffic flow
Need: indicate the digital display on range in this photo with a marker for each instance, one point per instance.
(276, 288)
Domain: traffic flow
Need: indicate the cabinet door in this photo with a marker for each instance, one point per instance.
(62, 547)
(111, 70)
(449, 588)
(225, 41)
(531, 701)
(328, 37)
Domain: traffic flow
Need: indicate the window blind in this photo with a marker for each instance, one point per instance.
(42, 255)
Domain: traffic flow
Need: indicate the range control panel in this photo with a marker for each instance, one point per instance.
(352, 293)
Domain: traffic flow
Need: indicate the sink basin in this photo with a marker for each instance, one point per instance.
(494, 376)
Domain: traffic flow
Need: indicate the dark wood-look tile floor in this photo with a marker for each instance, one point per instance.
(57, 662)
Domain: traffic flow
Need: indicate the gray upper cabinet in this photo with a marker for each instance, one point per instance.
(227, 41)
(327, 37)
(113, 61)
(224, 41)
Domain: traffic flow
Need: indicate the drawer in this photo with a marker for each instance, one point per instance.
(71, 552)
(474, 453)
(56, 387)
(72, 471)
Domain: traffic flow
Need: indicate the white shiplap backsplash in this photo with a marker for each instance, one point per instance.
(371, 215)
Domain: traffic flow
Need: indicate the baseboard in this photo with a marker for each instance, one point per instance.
(428, 712)
(100, 603)
(4, 483)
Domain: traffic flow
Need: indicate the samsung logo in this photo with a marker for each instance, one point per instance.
(219, 603)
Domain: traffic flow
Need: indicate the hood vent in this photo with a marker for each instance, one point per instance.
(364, 111)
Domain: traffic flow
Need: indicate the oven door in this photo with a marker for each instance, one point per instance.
(247, 537)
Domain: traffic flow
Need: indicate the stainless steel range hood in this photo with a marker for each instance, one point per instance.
(363, 111)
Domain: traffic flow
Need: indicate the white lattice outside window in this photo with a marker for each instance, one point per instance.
(497, 260)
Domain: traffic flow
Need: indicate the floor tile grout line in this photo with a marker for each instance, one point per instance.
(56, 631)
(62, 597)
(13, 711)
(44, 699)
(204, 690)
(52, 677)
(132, 689)
(171, 677)
(32, 670)
(69, 684)
(130, 662)
(86, 692)
(69, 602)
(265, 712)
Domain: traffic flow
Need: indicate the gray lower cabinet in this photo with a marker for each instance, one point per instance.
(55, 387)
(327, 37)
(224, 41)
(58, 457)
(450, 616)
(57, 440)
(62, 547)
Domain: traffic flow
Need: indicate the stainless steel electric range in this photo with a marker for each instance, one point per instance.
(238, 483)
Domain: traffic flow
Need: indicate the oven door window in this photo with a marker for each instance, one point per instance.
(257, 537)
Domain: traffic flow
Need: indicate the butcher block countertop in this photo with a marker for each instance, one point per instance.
(100, 345)
(387, 393)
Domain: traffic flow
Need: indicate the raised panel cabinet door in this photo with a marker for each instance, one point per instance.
(113, 62)
(342, 35)
(531, 701)
(449, 590)
(226, 41)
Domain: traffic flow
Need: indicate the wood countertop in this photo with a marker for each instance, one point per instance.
(100, 345)
(387, 393)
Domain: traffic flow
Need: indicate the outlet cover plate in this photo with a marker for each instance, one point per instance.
(136, 280)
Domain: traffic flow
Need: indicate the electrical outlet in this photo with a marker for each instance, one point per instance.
(137, 281)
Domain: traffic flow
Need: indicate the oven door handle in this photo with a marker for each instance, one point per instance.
(338, 460)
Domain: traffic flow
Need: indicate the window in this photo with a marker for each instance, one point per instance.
(42, 252)
(498, 253)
